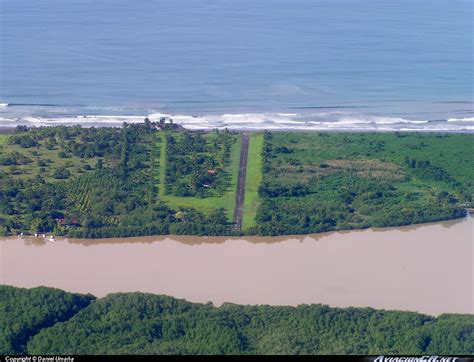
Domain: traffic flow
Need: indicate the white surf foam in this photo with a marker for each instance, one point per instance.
(377, 120)
(468, 119)
(287, 114)
(258, 121)
(244, 118)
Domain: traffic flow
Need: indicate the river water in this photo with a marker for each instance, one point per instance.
(425, 268)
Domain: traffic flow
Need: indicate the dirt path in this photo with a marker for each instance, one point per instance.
(239, 201)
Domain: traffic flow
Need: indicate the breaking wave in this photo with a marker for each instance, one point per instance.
(468, 119)
(319, 121)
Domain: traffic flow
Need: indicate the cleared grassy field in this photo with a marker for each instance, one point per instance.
(75, 165)
(227, 201)
(253, 180)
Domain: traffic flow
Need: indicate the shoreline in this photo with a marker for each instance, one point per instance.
(223, 304)
(319, 119)
(11, 129)
(253, 239)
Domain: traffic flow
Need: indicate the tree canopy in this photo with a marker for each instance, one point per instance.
(138, 323)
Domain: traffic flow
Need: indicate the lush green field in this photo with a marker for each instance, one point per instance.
(44, 157)
(328, 181)
(137, 323)
(252, 181)
(225, 200)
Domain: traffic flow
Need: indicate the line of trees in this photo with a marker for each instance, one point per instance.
(195, 164)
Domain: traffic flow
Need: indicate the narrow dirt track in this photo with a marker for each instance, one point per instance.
(239, 200)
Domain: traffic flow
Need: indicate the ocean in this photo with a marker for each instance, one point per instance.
(239, 64)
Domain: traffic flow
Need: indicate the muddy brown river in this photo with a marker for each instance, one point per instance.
(425, 268)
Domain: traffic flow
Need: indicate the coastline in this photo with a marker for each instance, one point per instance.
(11, 129)
(317, 119)
(253, 239)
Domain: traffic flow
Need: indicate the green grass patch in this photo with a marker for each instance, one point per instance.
(73, 164)
(253, 180)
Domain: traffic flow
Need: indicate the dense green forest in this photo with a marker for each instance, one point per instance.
(24, 312)
(49, 321)
(145, 179)
(316, 182)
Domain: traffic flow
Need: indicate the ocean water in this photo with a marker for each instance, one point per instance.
(240, 64)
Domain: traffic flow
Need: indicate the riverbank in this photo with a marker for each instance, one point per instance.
(254, 239)
(427, 268)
